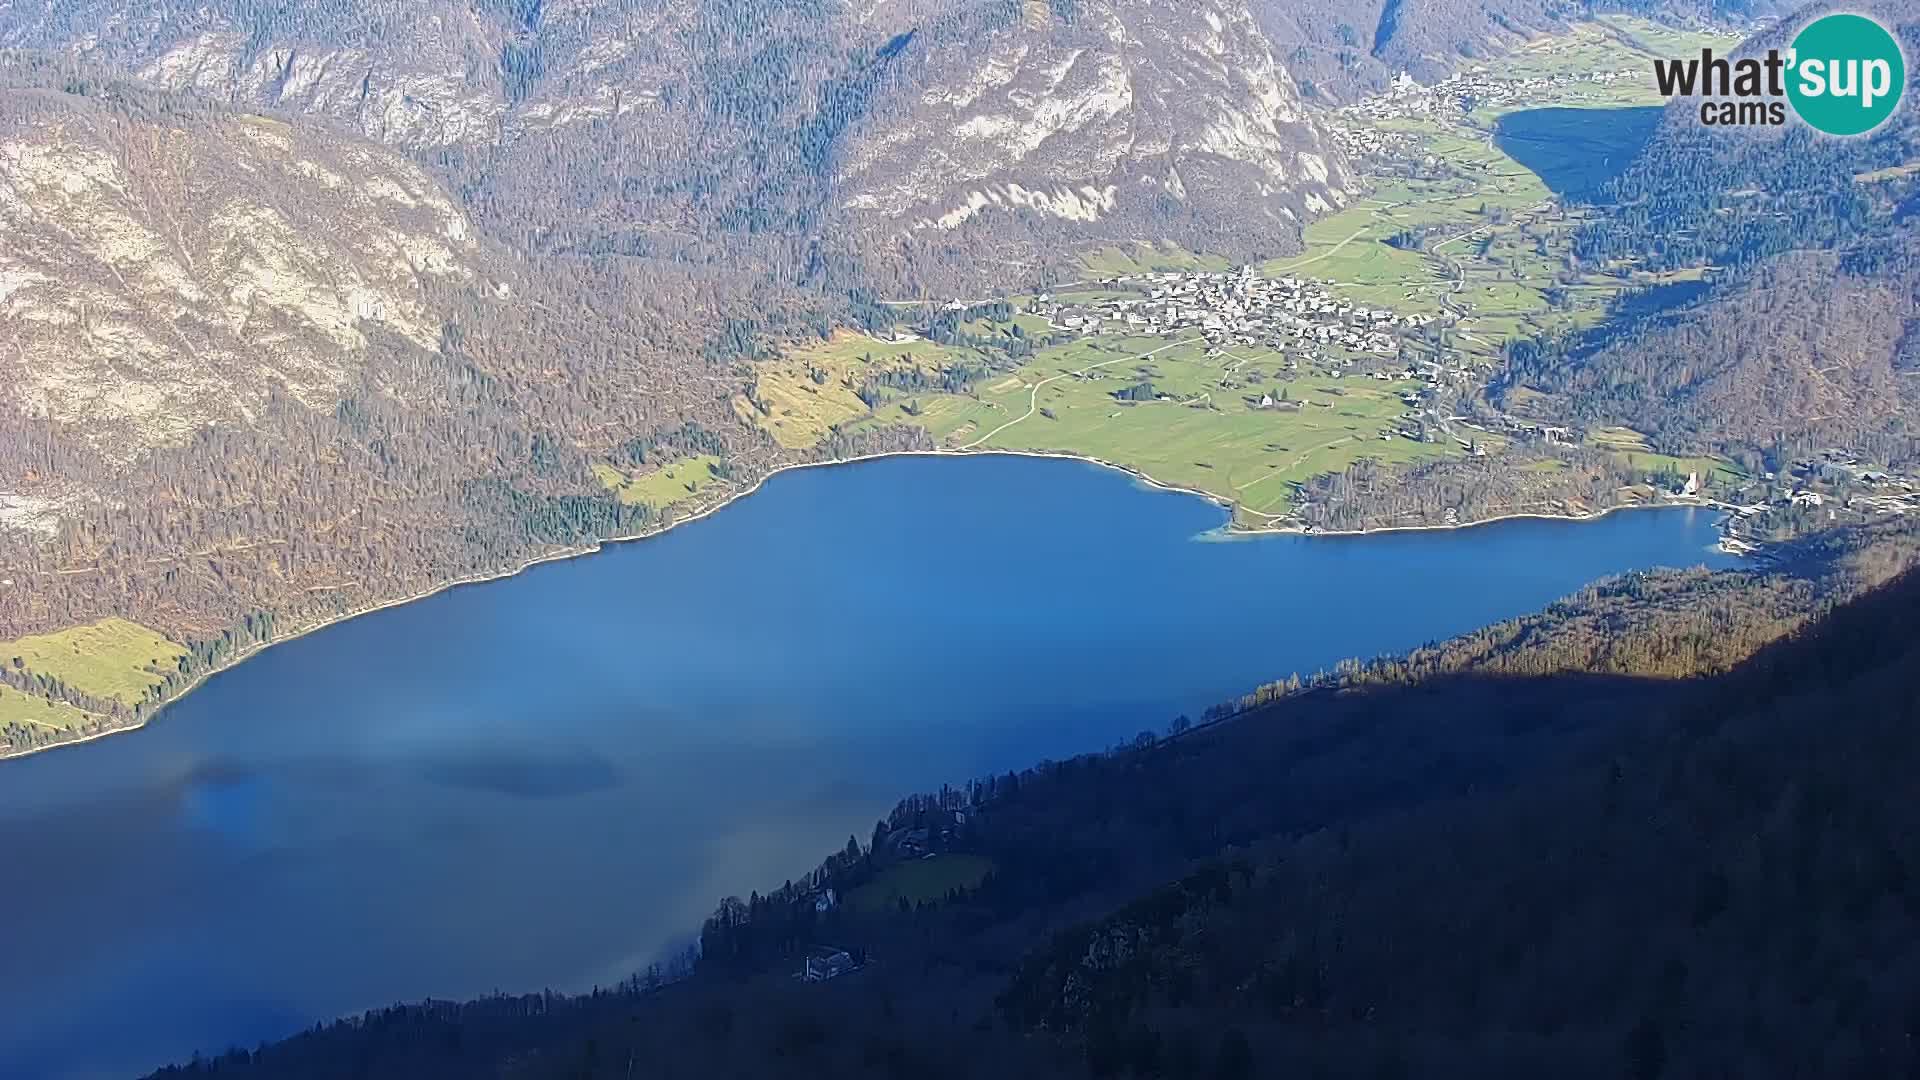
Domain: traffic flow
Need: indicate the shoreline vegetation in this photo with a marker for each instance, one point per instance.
(1232, 528)
(1498, 295)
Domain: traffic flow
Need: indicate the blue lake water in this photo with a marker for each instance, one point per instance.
(543, 781)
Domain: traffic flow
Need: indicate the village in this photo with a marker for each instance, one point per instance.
(1304, 321)
(1235, 308)
(1833, 487)
(1450, 100)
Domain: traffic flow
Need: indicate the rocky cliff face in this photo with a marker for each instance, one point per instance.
(1137, 113)
(585, 125)
(165, 269)
(415, 75)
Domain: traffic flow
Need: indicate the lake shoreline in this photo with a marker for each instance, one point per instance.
(1231, 529)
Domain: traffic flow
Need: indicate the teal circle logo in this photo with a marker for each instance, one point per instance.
(1847, 74)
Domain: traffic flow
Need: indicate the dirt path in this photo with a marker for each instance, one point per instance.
(1295, 463)
(1310, 260)
(1033, 399)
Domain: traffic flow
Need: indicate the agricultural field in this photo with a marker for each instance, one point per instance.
(1608, 43)
(1632, 447)
(1350, 250)
(661, 487)
(112, 658)
(1497, 238)
(920, 879)
(1204, 426)
(1467, 221)
(1488, 190)
(1497, 243)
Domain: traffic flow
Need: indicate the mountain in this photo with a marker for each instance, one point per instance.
(308, 308)
(1347, 50)
(1806, 329)
(671, 127)
(1509, 856)
(317, 307)
(1343, 51)
(171, 266)
(262, 369)
(1149, 118)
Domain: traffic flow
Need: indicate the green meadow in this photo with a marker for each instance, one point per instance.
(112, 658)
(1631, 447)
(1204, 429)
(33, 711)
(661, 487)
(814, 386)
(1484, 191)
(1493, 200)
(1608, 43)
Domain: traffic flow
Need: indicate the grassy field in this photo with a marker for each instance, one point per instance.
(1486, 194)
(1496, 242)
(1711, 469)
(1632, 447)
(1494, 255)
(1891, 172)
(660, 487)
(812, 387)
(1350, 249)
(920, 879)
(1608, 43)
(112, 658)
(31, 711)
(1205, 430)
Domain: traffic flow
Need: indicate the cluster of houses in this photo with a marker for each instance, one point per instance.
(1835, 485)
(1464, 91)
(1233, 308)
(1514, 427)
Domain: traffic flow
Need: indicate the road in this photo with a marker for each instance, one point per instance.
(1033, 399)
(1310, 260)
(1294, 464)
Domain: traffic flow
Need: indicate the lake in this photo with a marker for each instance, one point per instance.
(544, 781)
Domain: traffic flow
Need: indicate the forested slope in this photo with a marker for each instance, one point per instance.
(1462, 872)
(1807, 332)
(261, 372)
(1342, 50)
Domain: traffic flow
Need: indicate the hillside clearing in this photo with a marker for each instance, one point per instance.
(112, 658)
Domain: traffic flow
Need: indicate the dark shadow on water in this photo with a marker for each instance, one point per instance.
(1576, 151)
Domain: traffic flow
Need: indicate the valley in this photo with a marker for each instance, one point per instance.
(1374, 344)
(533, 468)
(1366, 380)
